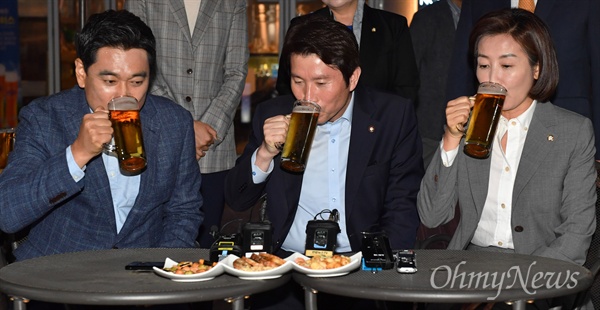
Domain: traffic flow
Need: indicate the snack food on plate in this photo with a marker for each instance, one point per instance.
(258, 262)
(319, 262)
(188, 267)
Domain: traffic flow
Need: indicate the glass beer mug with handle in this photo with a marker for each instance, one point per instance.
(7, 141)
(124, 113)
(484, 120)
(303, 125)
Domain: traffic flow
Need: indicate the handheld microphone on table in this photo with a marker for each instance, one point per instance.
(321, 235)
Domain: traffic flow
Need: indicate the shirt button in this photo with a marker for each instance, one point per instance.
(188, 99)
(500, 243)
(513, 123)
(506, 169)
(332, 140)
(503, 206)
(525, 128)
(190, 71)
(333, 199)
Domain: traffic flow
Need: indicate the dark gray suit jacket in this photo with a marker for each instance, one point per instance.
(554, 195)
(37, 190)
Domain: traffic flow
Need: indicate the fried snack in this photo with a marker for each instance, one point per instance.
(322, 263)
(258, 262)
(188, 267)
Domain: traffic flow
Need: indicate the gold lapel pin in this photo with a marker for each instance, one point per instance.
(550, 138)
(373, 29)
(371, 129)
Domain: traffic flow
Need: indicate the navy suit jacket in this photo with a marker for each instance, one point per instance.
(575, 29)
(384, 171)
(387, 59)
(37, 190)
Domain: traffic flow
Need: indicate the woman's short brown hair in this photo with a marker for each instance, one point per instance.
(530, 32)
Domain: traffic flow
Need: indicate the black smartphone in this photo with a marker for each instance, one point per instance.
(143, 265)
(406, 261)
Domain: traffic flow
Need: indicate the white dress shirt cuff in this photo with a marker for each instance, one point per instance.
(76, 172)
(449, 156)
(259, 176)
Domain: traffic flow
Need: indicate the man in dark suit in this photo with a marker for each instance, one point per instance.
(365, 159)
(71, 194)
(575, 28)
(386, 55)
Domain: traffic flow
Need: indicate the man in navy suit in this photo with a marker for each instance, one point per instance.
(575, 28)
(366, 157)
(70, 194)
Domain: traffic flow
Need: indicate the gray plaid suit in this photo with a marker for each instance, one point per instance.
(210, 66)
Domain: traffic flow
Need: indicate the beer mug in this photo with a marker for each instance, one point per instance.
(124, 113)
(484, 119)
(7, 141)
(301, 132)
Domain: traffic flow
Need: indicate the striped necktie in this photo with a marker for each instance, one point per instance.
(528, 5)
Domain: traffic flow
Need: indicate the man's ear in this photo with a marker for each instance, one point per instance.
(80, 72)
(536, 71)
(354, 78)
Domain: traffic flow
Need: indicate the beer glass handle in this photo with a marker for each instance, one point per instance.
(463, 128)
(109, 147)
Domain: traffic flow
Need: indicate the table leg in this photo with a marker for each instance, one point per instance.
(310, 298)
(519, 305)
(237, 303)
(19, 303)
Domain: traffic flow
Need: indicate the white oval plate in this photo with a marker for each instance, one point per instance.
(254, 275)
(204, 276)
(336, 272)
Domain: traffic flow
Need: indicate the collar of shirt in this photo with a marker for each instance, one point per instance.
(356, 26)
(515, 3)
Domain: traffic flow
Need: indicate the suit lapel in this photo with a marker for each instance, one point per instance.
(207, 11)
(537, 145)
(478, 171)
(178, 10)
(362, 141)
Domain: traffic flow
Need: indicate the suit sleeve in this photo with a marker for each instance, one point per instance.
(35, 182)
(222, 108)
(240, 191)
(438, 195)
(182, 216)
(578, 211)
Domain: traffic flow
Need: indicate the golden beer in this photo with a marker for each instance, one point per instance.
(484, 120)
(129, 144)
(301, 132)
(7, 140)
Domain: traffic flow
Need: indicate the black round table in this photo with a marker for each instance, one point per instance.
(100, 278)
(446, 276)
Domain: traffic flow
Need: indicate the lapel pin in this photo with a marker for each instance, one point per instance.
(373, 29)
(371, 129)
(550, 138)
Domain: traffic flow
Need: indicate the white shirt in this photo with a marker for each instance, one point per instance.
(192, 7)
(494, 227)
(515, 3)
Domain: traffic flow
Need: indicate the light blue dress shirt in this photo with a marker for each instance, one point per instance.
(324, 181)
(123, 189)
